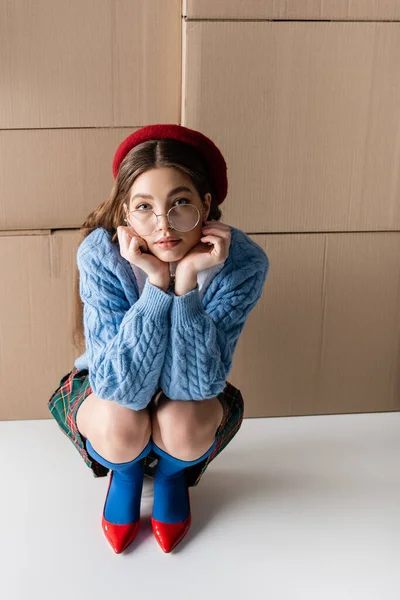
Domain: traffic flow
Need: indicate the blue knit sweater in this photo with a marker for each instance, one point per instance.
(136, 343)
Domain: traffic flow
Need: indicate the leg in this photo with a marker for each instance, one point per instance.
(118, 433)
(183, 435)
(121, 435)
(186, 428)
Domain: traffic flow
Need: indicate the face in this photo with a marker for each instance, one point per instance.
(158, 185)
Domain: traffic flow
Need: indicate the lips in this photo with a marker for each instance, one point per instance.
(168, 244)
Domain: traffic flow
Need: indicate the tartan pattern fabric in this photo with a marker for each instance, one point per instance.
(74, 387)
(64, 404)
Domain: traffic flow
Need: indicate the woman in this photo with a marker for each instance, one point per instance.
(165, 298)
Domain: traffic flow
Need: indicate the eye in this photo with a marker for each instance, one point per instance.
(185, 200)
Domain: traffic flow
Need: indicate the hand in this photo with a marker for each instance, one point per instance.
(203, 255)
(135, 250)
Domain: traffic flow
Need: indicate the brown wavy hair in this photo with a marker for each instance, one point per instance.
(110, 214)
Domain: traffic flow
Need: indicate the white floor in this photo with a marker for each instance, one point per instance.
(294, 508)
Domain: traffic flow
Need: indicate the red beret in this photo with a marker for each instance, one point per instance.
(211, 154)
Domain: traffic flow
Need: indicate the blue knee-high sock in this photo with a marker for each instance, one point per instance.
(171, 502)
(125, 492)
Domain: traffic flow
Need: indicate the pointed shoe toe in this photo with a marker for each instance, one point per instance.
(168, 535)
(120, 536)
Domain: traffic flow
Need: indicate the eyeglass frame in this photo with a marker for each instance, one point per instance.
(166, 215)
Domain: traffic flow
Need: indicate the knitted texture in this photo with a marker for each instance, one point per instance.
(183, 344)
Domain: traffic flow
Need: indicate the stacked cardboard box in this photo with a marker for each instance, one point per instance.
(301, 97)
(77, 77)
(307, 114)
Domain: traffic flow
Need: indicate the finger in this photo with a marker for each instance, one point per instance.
(142, 244)
(134, 245)
(131, 230)
(138, 244)
(226, 238)
(220, 245)
(213, 239)
(128, 232)
(120, 231)
(123, 239)
(215, 229)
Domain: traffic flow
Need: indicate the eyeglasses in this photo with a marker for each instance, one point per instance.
(181, 218)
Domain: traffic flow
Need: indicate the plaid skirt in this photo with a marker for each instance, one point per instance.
(74, 387)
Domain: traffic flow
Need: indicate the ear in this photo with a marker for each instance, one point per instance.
(206, 206)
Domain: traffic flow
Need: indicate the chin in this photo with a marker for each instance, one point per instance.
(170, 256)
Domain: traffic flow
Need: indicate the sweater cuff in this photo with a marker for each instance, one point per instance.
(187, 308)
(154, 303)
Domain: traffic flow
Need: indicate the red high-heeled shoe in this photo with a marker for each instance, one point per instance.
(119, 536)
(168, 535)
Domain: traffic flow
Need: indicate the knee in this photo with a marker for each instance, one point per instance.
(123, 434)
(180, 430)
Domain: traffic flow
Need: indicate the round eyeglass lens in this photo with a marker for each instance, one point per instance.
(182, 218)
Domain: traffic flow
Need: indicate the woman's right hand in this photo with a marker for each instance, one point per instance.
(135, 250)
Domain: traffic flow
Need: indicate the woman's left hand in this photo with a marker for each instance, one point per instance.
(202, 256)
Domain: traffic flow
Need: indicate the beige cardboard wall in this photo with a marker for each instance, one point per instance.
(307, 115)
(72, 75)
(36, 318)
(55, 177)
(374, 10)
(323, 338)
(89, 64)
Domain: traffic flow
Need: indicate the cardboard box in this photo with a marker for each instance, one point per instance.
(307, 116)
(322, 339)
(357, 10)
(89, 64)
(36, 318)
(53, 178)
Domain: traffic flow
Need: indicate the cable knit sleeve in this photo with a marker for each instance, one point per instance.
(125, 343)
(203, 339)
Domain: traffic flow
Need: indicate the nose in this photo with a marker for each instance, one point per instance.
(162, 222)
